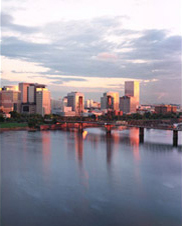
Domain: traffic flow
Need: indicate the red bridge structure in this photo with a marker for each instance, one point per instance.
(141, 124)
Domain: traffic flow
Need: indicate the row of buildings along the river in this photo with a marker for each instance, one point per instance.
(34, 98)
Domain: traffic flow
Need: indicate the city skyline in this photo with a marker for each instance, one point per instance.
(94, 47)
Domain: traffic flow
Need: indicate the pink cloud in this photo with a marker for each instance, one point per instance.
(106, 56)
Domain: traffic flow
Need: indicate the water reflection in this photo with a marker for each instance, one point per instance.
(46, 153)
(134, 142)
(67, 178)
(79, 150)
(79, 146)
(109, 149)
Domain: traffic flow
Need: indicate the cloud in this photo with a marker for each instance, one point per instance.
(8, 24)
(105, 56)
(100, 47)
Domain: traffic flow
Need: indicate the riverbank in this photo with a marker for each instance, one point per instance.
(13, 126)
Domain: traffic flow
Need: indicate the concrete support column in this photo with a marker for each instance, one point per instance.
(80, 128)
(141, 134)
(66, 126)
(108, 129)
(175, 138)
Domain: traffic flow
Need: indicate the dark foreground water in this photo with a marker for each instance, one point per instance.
(58, 178)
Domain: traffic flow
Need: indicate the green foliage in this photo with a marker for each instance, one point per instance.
(15, 114)
(32, 123)
(12, 125)
(2, 119)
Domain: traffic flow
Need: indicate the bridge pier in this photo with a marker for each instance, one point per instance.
(66, 126)
(80, 128)
(175, 138)
(108, 129)
(141, 134)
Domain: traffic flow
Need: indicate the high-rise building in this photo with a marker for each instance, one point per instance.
(132, 89)
(130, 102)
(28, 91)
(10, 99)
(31, 93)
(64, 102)
(43, 101)
(110, 100)
(14, 88)
(28, 97)
(23, 88)
(76, 101)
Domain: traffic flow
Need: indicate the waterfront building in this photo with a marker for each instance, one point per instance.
(76, 101)
(10, 99)
(67, 111)
(132, 89)
(130, 102)
(64, 102)
(96, 105)
(28, 108)
(142, 109)
(164, 109)
(23, 88)
(110, 101)
(43, 103)
(89, 103)
(14, 88)
(28, 91)
(28, 97)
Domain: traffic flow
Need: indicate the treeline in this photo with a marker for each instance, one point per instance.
(36, 119)
(145, 116)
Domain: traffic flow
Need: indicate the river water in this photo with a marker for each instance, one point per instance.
(59, 178)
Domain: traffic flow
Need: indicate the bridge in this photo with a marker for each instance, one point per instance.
(148, 124)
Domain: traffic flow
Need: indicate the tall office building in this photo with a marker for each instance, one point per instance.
(23, 88)
(76, 101)
(28, 91)
(132, 88)
(110, 100)
(10, 99)
(130, 102)
(28, 96)
(43, 101)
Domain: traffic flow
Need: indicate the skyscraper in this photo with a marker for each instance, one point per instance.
(23, 88)
(10, 99)
(132, 89)
(76, 101)
(110, 100)
(130, 102)
(43, 101)
(28, 97)
(28, 91)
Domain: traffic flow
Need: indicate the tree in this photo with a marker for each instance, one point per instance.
(2, 119)
(15, 114)
(32, 123)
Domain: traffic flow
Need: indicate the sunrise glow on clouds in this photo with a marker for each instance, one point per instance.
(94, 46)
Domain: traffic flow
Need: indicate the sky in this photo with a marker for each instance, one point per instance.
(94, 46)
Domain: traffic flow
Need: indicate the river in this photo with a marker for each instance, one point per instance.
(59, 178)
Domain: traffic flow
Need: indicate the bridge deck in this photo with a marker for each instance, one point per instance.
(113, 124)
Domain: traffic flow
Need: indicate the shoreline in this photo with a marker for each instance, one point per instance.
(13, 129)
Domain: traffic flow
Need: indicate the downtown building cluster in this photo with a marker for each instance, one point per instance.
(74, 105)
(28, 98)
(34, 98)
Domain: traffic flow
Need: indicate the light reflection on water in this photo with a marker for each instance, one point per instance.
(68, 178)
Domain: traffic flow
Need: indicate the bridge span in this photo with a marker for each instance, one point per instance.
(80, 125)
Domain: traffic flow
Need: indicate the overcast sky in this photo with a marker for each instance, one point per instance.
(93, 46)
